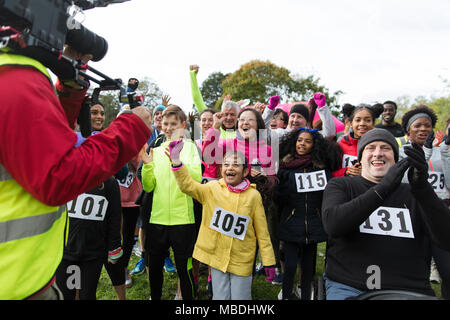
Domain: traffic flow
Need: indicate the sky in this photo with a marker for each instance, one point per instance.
(371, 50)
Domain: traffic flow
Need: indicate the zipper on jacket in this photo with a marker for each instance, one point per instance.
(306, 214)
(292, 214)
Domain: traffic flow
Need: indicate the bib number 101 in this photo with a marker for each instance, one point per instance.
(229, 223)
(88, 207)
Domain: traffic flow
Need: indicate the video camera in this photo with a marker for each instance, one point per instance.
(40, 28)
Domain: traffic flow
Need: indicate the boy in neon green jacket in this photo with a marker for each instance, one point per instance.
(172, 217)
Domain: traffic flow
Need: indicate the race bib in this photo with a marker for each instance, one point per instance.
(311, 181)
(437, 181)
(88, 207)
(229, 223)
(207, 179)
(348, 160)
(387, 221)
(126, 182)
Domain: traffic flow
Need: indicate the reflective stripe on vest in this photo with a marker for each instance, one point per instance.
(31, 233)
(29, 226)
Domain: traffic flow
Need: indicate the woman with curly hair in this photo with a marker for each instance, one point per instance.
(307, 160)
(418, 124)
(362, 119)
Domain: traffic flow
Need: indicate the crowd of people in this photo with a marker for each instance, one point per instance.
(243, 190)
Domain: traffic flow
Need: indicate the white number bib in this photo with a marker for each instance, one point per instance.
(229, 223)
(126, 182)
(311, 181)
(437, 181)
(387, 221)
(207, 179)
(88, 207)
(347, 160)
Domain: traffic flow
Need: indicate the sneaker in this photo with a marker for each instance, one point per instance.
(177, 297)
(136, 250)
(168, 265)
(139, 268)
(280, 295)
(128, 281)
(259, 269)
(278, 279)
(434, 274)
(298, 292)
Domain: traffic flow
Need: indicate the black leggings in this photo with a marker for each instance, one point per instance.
(442, 260)
(116, 273)
(69, 279)
(130, 216)
(181, 239)
(307, 255)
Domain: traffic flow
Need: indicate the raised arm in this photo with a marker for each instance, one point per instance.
(196, 94)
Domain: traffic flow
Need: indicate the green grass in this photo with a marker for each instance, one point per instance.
(261, 290)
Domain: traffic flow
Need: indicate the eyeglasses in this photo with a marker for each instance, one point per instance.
(246, 119)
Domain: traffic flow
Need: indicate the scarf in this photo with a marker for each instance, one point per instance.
(297, 162)
(240, 187)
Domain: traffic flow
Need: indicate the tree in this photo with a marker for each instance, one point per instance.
(211, 88)
(110, 99)
(259, 80)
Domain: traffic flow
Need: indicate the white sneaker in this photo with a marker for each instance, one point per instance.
(128, 281)
(298, 292)
(280, 295)
(434, 274)
(177, 297)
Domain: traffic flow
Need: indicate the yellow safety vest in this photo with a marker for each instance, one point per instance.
(32, 234)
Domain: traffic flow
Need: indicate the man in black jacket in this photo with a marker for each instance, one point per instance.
(379, 230)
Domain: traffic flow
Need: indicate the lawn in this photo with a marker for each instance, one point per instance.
(140, 290)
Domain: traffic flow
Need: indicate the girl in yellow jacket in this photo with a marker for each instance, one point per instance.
(233, 222)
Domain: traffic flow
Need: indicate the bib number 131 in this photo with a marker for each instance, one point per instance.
(229, 223)
(387, 221)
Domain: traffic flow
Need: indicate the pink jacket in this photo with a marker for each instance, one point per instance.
(258, 153)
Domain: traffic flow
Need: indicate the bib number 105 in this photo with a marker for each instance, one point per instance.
(229, 223)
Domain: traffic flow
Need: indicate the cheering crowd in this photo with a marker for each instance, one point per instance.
(242, 190)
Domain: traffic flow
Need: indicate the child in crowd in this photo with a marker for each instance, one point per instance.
(362, 119)
(172, 218)
(233, 223)
(307, 160)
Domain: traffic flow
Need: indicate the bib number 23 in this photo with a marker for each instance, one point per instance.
(229, 223)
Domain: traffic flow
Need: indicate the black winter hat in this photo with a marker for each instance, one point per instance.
(377, 134)
(301, 109)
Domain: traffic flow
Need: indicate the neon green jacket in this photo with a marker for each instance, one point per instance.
(200, 104)
(170, 206)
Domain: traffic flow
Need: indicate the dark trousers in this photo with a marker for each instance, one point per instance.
(442, 260)
(181, 239)
(130, 216)
(306, 253)
(85, 278)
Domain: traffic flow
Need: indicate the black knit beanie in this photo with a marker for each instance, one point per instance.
(377, 134)
(301, 109)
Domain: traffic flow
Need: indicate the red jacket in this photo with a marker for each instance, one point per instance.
(348, 145)
(37, 144)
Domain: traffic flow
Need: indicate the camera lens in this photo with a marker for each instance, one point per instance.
(87, 42)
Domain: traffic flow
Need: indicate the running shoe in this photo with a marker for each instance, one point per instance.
(168, 265)
(136, 250)
(139, 268)
(298, 292)
(278, 279)
(259, 269)
(128, 281)
(434, 274)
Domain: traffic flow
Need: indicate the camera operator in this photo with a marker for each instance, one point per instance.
(41, 170)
